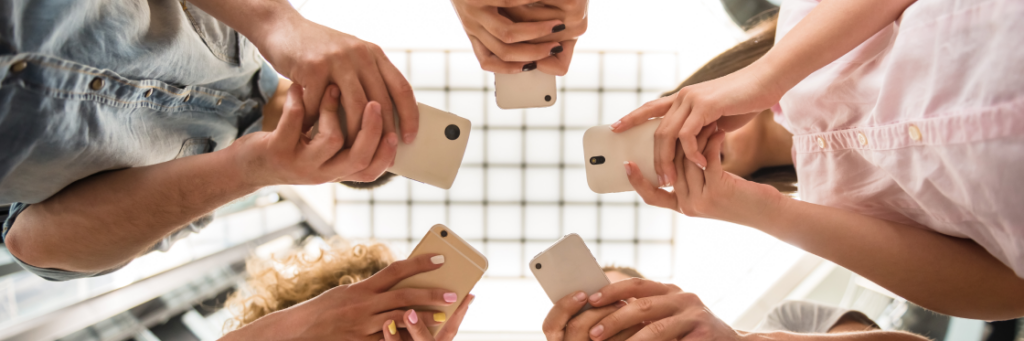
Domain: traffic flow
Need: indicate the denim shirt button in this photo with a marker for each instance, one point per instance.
(148, 93)
(96, 84)
(187, 97)
(19, 66)
(219, 102)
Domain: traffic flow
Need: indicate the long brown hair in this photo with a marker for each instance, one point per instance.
(740, 56)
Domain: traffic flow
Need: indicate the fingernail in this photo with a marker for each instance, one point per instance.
(409, 137)
(439, 259)
(392, 328)
(335, 93)
(616, 124)
(596, 296)
(556, 50)
(413, 318)
(629, 170)
(392, 140)
(580, 296)
(662, 180)
(440, 317)
(530, 66)
(558, 28)
(451, 297)
(596, 331)
(620, 304)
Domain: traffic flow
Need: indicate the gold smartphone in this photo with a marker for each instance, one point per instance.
(463, 267)
(607, 151)
(567, 267)
(530, 89)
(435, 156)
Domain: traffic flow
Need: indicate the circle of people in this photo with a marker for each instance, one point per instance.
(124, 125)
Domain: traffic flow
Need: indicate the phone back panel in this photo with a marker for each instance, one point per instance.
(435, 156)
(635, 144)
(530, 89)
(567, 267)
(463, 267)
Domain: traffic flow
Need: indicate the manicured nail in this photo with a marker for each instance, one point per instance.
(663, 180)
(451, 297)
(556, 50)
(409, 137)
(629, 170)
(413, 318)
(596, 296)
(558, 28)
(439, 259)
(580, 296)
(616, 124)
(530, 66)
(596, 331)
(392, 328)
(440, 317)
(335, 93)
(392, 140)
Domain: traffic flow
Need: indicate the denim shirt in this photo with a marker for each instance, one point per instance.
(88, 86)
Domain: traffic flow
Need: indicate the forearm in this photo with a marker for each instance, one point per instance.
(254, 19)
(949, 275)
(874, 335)
(829, 31)
(107, 219)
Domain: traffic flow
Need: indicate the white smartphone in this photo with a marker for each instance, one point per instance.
(435, 156)
(607, 151)
(530, 89)
(463, 267)
(567, 267)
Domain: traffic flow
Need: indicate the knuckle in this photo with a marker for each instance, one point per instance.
(505, 34)
(636, 281)
(644, 304)
(658, 329)
(575, 325)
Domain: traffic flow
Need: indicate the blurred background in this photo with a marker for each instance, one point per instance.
(521, 187)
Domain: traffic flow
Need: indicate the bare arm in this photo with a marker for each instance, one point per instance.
(107, 219)
(879, 335)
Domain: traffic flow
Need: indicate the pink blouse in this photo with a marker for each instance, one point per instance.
(922, 124)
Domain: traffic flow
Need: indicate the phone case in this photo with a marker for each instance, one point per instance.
(567, 267)
(463, 267)
(530, 89)
(435, 156)
(606, 152)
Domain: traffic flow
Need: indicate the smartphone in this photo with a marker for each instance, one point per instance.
(567, 267)
(607, 151)
(463, 267)
(530, 89)
(435, 156)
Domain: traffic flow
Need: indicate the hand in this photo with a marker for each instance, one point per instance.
(512, 36)
(562, 323)
(287, 156)
(315, 56)
(355, 311)
(710, 193)
(416, 331)
(671, 313)
(734, 99)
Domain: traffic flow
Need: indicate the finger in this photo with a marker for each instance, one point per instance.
(404, 100)
(665, 142)
(406, 297)
(500, 3)
(627, 333)
(652, 195)
(633, 287)
(558, 64)
(360, 156)
(329, 138)
(312, 92)
(688, 138)
(713, 153)
(416, 327)
(447, 333)
(695, 176)
(644, 113)
(353, 100)
(578, 328)
(518, 52)
(390, 330)
(383, 158)
(288, 128)
(559, 315)
(665, 329)
(430, 318)
(508, 32)
(377, 91)
(490, 62)
(643, 309)
(397, 271)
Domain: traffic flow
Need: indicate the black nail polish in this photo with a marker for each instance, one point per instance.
(530, 66)
(558, 28)
(556, 50)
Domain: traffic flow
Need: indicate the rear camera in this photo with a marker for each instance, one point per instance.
(547, 98)
(444, 233)
(537, 266)
(597, 160)
(452, 132)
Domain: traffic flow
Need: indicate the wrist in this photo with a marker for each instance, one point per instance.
(244, 170)
(269, 22)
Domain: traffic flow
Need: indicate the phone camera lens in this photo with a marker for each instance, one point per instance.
(537, 266)
(452, 132)
(597, 160)
(444, 233)
(547, 98)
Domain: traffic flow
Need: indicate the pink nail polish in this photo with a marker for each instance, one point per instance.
(413, 318)
(629, 170)
(451, 297)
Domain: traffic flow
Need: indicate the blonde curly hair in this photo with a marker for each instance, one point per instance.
(276, 284)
